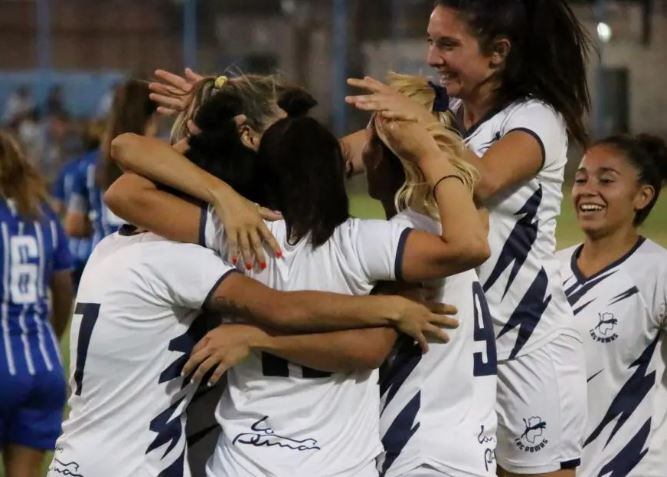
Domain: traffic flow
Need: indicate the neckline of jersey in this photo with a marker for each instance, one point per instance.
(466, 133)
(581, 278)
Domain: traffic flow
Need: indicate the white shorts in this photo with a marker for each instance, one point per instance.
(542, 408)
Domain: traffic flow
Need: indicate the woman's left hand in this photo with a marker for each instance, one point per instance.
(386, 101)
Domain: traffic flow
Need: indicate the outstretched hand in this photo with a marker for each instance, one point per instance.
(386, 101)
(172, 92)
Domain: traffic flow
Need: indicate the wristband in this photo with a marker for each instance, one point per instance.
(443, 178)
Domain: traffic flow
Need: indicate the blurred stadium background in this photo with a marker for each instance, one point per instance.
(60, 60)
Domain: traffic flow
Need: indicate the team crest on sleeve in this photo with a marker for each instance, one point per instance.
(532, 439)
(604, 332)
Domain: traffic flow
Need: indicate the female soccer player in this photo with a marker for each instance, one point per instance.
(616, 282)
(132, 111)
(35, 262)
(517, 71)
(309, 420)
(438, 412)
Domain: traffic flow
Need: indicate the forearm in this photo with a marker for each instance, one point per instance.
(62, 292)
(161, 163)
(461, 224)
(338, 352)
(322, 312)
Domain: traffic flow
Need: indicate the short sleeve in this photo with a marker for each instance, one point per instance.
(379, 246)
(211, 231)
(545, 125)
(62, 259)
(187, 274)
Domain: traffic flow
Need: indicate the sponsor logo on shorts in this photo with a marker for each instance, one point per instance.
(532, 439)
(604, 330)
(70, 469)
(264, 436)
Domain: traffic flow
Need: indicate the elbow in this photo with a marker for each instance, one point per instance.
(121, 149)
(479, 251)
(475, 251)
(486, 188)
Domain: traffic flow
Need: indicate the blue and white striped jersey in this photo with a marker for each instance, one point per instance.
(30, 252)
(520, 281)
(620, 312)
(133, 328)
(86, 198)
(438, 408)
(63, 188)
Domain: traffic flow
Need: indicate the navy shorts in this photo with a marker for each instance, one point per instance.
(31, 407)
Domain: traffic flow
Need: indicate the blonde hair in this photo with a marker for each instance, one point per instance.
(416, 193)
(258, 93)
(19, 179)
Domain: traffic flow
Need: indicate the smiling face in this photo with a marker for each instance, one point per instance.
(607, 192)
(457, 56)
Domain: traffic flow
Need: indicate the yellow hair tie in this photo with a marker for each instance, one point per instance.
(220, 81)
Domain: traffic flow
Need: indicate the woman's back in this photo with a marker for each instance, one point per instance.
(277, 416)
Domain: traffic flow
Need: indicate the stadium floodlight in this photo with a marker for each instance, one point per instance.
(604, 32)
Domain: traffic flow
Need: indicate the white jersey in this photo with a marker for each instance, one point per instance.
(281, 419)
(620, 312)
(438, 408)
(526, 299)
(133, 328)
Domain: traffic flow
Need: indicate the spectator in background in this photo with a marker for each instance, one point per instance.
(63, 188)
(132, 111)
(55, 103)
(19, 104)
(35, 264)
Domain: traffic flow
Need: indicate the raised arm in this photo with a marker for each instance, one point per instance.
(463, 242)
(243, 220)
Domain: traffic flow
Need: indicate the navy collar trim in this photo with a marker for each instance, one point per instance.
(581, 278)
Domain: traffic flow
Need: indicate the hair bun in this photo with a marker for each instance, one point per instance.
(657, 149)
(220, 107)
(296, 102)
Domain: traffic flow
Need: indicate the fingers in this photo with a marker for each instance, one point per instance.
(246, 252)
(398, 116)
(192, 127)
(167, 101)
(437, 334)
(217, 374)
(196, 358)
(441, 308)
(271, 215)
(173, 79)
(444, 321)
(368, 83)
(240, 119)
(422, 342)
(161, 88)
(164, 111)
(257, 248)
(204, 368)
(192, 76)
(268, 237)
(233, 246)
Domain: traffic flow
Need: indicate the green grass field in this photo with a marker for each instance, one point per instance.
(567, 232)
